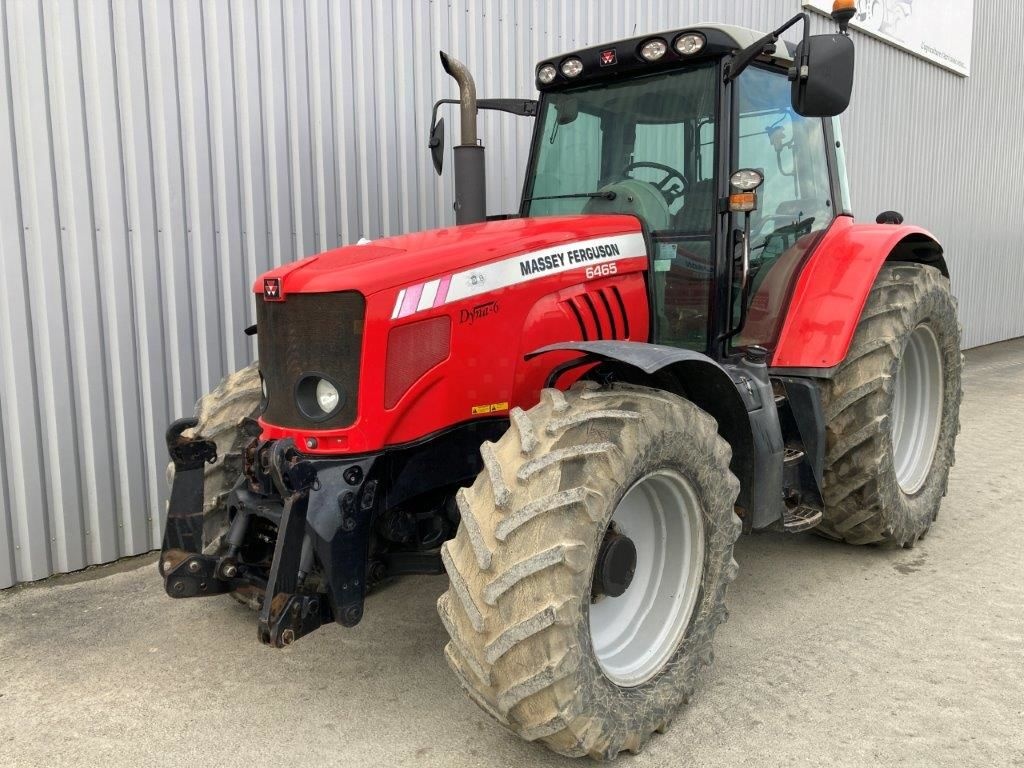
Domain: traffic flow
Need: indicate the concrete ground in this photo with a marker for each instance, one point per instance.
(832, 656)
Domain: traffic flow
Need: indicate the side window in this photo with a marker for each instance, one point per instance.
(790, 150)
(794, 203)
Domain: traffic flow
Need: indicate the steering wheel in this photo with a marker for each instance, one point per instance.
(670, 193)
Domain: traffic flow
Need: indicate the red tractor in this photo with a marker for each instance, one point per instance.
(575, 410)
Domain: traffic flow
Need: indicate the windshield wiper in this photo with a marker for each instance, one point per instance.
(606, 195)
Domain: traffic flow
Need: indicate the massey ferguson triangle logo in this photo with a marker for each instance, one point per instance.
(272, 289)
(608, 57)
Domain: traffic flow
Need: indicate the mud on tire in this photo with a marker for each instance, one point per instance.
(864, 502)
(521, 565)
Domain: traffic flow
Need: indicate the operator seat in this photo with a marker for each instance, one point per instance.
(634, 197)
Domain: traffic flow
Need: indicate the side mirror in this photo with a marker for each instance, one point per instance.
(823, 76)
(568, 109)
(436, 145)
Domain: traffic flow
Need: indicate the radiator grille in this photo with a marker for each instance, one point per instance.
(310, 333)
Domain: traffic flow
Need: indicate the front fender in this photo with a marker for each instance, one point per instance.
(833, 286)
(748, 423)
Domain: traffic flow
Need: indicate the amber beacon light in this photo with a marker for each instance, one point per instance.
(842, 12)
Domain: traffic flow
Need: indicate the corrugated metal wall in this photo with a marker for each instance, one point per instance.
(157, 155)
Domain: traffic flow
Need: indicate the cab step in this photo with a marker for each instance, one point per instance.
(800, 519)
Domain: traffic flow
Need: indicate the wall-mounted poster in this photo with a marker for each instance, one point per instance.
(937, 30)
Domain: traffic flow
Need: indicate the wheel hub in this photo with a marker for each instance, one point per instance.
(616, 565)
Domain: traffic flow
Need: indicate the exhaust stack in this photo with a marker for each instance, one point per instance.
(470, 178)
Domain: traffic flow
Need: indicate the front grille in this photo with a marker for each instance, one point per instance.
(310, 333)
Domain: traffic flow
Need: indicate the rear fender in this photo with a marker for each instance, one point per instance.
(726, 394)
(833, 286)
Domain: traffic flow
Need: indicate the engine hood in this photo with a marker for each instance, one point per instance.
(395, 261)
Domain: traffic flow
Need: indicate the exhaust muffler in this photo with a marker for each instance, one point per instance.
(470, 175)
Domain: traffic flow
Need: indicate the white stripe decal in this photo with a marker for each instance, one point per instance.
(549, 261)
(518, 269)
(428, 295)
(398, 304)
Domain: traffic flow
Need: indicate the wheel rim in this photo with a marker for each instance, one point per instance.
(917, 410)
(634, 635)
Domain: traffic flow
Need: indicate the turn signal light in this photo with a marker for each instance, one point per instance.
(742, 201)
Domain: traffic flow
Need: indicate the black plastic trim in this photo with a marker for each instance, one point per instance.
(804, 397)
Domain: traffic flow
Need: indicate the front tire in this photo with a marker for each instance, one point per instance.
(528, 643)
(892, 412)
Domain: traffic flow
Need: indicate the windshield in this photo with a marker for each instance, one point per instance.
(650, 139)
(651, 142)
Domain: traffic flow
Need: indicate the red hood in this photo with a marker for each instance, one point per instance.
(394, 261)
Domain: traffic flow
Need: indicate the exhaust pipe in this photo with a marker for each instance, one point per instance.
(470, 178)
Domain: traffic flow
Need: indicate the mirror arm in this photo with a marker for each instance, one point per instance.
(520, 107)
(433, 115)
(437, 105)
(745, 58)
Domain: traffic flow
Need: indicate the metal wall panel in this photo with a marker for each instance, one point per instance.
(157, 155)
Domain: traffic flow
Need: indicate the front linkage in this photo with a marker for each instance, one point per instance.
(322, 511)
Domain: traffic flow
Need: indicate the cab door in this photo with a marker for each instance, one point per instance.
(796, 203)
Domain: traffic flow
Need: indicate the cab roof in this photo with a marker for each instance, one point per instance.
(622, 57)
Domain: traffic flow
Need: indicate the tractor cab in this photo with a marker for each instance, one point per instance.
(656, 127)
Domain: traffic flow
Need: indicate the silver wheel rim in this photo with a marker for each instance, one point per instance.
(635, 634)
(917, 410)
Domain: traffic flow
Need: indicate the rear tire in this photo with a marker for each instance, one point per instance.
(892, 412)
(220, 414)
(519, 609)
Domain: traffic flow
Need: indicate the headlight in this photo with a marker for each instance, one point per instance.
(746, 179)
(572, 67)
(546, 74)
(689, 43)
(318, 398)
(326, 396)
(653, 50)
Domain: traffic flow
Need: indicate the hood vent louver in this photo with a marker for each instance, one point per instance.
(601, 314)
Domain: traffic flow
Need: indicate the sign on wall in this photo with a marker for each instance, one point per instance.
(937, 30)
